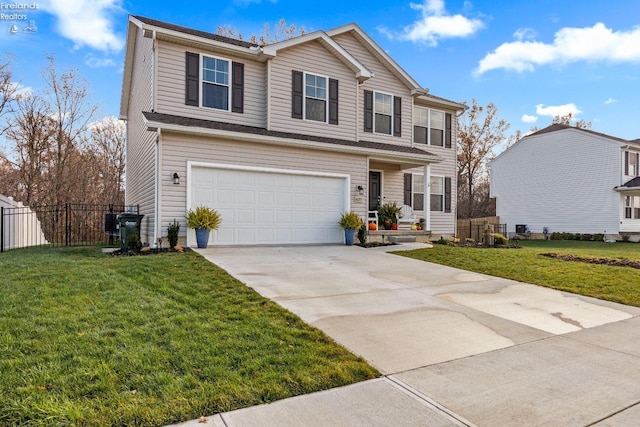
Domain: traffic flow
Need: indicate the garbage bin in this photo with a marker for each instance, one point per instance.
(129, 224)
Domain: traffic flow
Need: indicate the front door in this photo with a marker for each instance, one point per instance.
(375, 190)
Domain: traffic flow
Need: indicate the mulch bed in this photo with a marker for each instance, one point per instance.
(623, 262)
(148, 251)
(374, 244)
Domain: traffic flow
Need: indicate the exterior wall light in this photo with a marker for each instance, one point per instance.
(361, 190)
(176, 178)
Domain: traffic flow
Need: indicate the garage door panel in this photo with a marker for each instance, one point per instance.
(271, 207)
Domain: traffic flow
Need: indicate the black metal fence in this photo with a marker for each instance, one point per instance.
(476, 231)
(69, 224)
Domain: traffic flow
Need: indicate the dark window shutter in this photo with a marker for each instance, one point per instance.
(333, 102)
(626, 163)
(407, 189)
(397, 116)
(447, 194)
(237, 91)
(447, 130)
(368, 111)
(192, 79)
(296, 94)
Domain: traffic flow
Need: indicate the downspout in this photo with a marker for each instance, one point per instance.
(156, 183)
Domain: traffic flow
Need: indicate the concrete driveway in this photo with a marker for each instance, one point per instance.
(456, 348)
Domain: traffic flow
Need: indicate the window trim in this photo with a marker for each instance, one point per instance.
(428, 127)
(414, 192)
(391, 116)
(229, 84)
(304, 97)
(442, 195)
(632, 163)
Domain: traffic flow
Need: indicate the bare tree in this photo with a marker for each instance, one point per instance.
(71, 113)
(8, 90)
(480, 131)
(106, 146)
(568, 118)
(31, 131)
(280, 31)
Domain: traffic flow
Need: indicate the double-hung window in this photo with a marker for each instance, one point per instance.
(216, 83)
(437, 194)
(315, 98)
(632, 166)
(418, 192)
(631, 207)
(428, 127)
(383, 113)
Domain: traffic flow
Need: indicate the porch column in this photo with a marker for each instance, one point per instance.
(427, 196)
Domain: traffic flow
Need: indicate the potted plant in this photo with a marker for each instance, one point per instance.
(350, 222)
(388, 214)
(203, 219)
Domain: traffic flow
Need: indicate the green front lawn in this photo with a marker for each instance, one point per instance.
(89, 339)
(618, 284)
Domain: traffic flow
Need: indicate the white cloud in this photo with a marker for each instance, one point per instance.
(87, 23)
(524, 34)
(557, 110)
(610, 101)
(597, 43)
(435, 24)
(94, 62)
(20, 89)
(526, 118)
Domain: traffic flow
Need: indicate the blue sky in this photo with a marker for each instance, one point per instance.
(533, 59)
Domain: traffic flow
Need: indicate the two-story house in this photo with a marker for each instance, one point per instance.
(280, 139)
(569, 180)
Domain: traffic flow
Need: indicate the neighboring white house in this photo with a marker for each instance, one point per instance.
(280, 139)
(569, 180)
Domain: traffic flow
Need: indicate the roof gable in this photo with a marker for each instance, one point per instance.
(361, 72)
(380, 54)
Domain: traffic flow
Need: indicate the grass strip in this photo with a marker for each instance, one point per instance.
(527, 264)
(89, 339)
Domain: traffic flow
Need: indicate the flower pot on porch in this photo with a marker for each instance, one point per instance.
(202, 237)
(349, 237)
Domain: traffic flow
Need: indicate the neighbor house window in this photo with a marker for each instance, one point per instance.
(383, 113)
(429, 127)
(315, 98)
(631, 207)
(632, 166)
(215, 83)
(437, 193)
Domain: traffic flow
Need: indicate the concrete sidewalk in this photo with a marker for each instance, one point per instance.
(456, 348)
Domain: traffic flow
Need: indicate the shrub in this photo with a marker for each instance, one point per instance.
(441, 241)
(362, 234)
(556, 236)
(499, 239)
(133, 242)
(587, 237)
(599, 237)
(469, 240)
(172, 233)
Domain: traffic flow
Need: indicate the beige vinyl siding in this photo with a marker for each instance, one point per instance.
(312, 58)
(140, 165)
(171, 88)
(443, 223)
(178, 149)
(383, 81)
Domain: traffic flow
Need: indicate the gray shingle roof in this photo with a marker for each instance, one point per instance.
(191, 31)
(170, 119)
(557, 127)
(635, 182)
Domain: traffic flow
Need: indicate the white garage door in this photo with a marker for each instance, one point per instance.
(270, 207)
